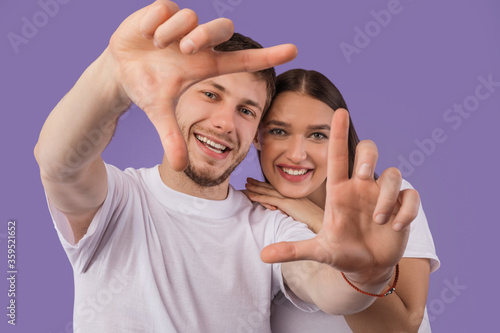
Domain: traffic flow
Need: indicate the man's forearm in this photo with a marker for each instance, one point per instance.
(83, 122)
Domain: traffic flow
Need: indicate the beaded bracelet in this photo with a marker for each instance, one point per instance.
(386, 293)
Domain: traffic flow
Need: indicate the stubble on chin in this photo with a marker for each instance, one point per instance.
(207, 179)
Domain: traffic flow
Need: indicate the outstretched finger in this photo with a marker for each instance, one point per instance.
(390, 185)
(174, 145)
(263, 190)
(207, 35)
(292, 251)
(265, 199)
(253, 60)
(365, 160)
(175, 28)
(270, 207)
(338, 153)
(259, 183)
(156, 14)
(410, 205)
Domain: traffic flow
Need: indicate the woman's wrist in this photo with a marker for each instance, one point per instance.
(385, 292)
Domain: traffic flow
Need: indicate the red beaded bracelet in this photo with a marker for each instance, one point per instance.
(386, 293)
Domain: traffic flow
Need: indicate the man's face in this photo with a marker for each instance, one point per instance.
(218, 118)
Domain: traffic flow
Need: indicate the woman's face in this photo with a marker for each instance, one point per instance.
(293, 141)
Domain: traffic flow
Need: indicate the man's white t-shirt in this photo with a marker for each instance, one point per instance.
(286, 318)
(156, 260)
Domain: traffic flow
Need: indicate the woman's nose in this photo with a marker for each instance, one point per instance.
(296, 152)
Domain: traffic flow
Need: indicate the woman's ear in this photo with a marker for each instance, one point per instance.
(256, 142)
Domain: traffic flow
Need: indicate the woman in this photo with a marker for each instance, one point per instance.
(293, 143)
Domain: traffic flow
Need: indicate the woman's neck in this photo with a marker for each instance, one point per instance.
(318, 197)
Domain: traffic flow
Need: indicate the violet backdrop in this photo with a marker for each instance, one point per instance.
(416, 83)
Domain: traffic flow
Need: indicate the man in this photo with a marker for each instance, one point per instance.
(174, 247)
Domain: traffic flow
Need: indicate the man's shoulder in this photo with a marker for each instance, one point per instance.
(259, 213)
(130, 172)
(238, 197)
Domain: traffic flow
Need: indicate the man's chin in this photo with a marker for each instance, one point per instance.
(204, 179)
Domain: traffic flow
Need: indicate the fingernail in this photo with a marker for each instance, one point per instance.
(187, 46)
(398, 227)
(155, 42)
(365, 170)
(381, 218)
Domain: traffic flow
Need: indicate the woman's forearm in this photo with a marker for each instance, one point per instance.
(401, 311)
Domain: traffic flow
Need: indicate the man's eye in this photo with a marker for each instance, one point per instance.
(277, 131)
(246, 112)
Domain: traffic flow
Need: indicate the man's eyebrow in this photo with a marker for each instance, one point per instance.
(217, 86)
(252, 103)
(223, 89)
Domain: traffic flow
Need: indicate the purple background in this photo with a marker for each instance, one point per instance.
(398, 87)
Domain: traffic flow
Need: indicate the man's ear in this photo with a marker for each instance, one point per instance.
(256, 142)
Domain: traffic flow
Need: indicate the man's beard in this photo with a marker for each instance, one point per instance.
(204, 179)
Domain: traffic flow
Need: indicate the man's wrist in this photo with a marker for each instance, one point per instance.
(103, 80)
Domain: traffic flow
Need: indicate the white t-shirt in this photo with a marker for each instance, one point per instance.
(286, 318)
(156, 260)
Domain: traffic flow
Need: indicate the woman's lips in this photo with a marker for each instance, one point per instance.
(293, 174)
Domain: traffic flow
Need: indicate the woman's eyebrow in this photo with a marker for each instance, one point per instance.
(324, 127)
(276, 123)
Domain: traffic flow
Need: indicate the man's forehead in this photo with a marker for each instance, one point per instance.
(227, 79)
(244, 85)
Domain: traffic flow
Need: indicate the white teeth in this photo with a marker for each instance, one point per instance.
(219, 148)
(215, 150)
(294, 172)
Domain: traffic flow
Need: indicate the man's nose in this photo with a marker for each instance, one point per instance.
(223, 118)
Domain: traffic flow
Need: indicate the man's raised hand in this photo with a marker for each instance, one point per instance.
(160, 51)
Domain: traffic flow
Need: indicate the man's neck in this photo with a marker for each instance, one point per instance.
(180, 182)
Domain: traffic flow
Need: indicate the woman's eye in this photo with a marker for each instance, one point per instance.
(209, 94)
(319, 136)
(277, 131)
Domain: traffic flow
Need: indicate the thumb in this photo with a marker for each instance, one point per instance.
(174, 145)
(292, 251)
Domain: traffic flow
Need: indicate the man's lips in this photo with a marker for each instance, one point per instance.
(214, 148)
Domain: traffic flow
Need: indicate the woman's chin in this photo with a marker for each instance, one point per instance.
(293, 192)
